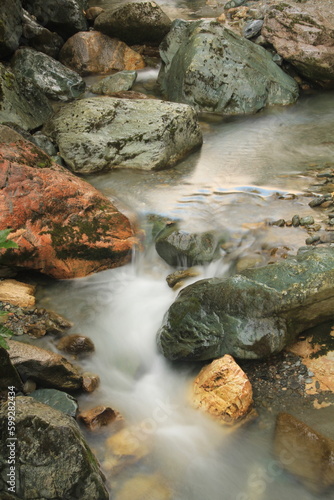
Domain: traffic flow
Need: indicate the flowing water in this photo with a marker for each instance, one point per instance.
(239, 179)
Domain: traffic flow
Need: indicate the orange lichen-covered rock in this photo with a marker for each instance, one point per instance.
(223, 391)
(63, 226)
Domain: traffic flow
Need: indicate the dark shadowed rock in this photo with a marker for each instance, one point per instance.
(10, 26)
(40, 38)
(8, 374)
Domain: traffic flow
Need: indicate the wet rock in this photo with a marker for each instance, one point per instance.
(145, 487)
(21, 102)
(46, 368)
(124, 448)
(43, 142)
(58, 400)
(55, 461)
(76, 344)
(92, 52)
(253, 28)
(65, 17)
(90, 381)
(93, 12)
(123, 80)
(8, 374)
(177, 278)
(103, 133)
(303, 35)
(40, 38)
(50, 76)
(253, 314)
(213, 69)
(296, 221)
(62, 225)
(10, 26)
(316, 202)
(306, 221)
(305, 453)
(179, 248)
(17, 293)
(223, 391)
(99, 416)
(137, 22)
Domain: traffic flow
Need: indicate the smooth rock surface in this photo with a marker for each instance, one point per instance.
(63, 226)
(103, 133)
(17, 293)
(21, 102)
(223, 391)
(121, 81)
(10, 26)
(303, 35)
(76, 344)
(55, 461)
(253, 314)
(50, 76)
(213, 69)
(135, 23)
(97, 417)
(40, 38)
(58, 400)
(92, 52)
(46, 368)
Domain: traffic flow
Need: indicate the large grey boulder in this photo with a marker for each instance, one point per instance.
(253, 314)
(103, 133)
(40, 38)
(66, 17)
(21, 102)
(10, 26)
(303, 35)
(52, 459)
(135, 22)
(50, 76)
(213, 69)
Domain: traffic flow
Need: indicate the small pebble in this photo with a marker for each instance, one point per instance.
(306, 221)
(295, 221)
(308, 381)
(279, 223)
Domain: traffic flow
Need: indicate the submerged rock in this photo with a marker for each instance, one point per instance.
(63, 226)
(21, 102)
(54, 459)
(145, 487)
(50, 76)
(103, 133)
(10, 26)
(92, 52)
(253, 314)
(213, 69)
(135, 23)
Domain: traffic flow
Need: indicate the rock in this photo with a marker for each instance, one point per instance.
(305, 453)
(43, 142)
(213, 69)
(46, 368)
(253, 314)
(54, 459)
(179, 248)
(29, 386)
(58, 400)
(124, 448)
(306, 221)
(145, 487)
(8, 373)
(21, 102)
(66, 17)
(64, 227)
(10, 26)
(93, 12)
(177, 278)
(253, 28)
(103, 133)
(296, 221)
(17, 293)
(97, 417)
(223, 391)
(40, 38)
(50, 76)
(123, 80)
(129, 94)
(135, 23)
(76, 344)
(303, 35)
(92, 52)
(90, 382)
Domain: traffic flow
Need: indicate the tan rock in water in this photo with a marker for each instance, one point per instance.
(145, 487)
(223, 391)
(17, 293)
(99, 416)
(126, 447)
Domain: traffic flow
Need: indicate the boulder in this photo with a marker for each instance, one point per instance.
(135, 23)
(63, 226)
(303, 35)
(9, 376)
(51, 77)
(44, 367)
(223, 391)
(40, 38)
(121, 81)
(92, 52)
(10, 26)
(65, 17)
(52, 458)
(58, 400)
(253, 314)
(103, 133)
(305, 453)
(21, 102)
(214, 69)
(17, 293)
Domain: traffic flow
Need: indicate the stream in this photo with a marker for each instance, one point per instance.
(248, 172)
